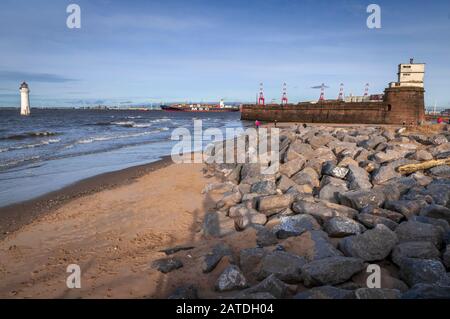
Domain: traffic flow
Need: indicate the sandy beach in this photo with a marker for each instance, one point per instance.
(113, 232)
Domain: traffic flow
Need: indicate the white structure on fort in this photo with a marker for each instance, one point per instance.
(24, 99)
(410, 75)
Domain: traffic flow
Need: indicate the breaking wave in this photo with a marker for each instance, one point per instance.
(25, 146)
(22, 136)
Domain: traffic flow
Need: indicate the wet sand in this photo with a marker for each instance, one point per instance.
(114, 227)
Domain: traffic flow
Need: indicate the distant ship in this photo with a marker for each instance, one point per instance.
(200, 108)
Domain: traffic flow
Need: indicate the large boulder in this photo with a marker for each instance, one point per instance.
(264, 188)
(331, 271)
(388, 156)
(185, 292)
(384, 174)
(231, 279)
(307, 176)
(421, 271)
(414, 249)
(358, 178)
(312, 245)
(295, 225)
(292, 167)
(322, 210)
(330, 192)
(228, 200)
(271, 285)
(436, 211)
(375, 244)
(380, 293)
(270, 203)
(446, 257)
(371, 221)
(325, 292)
(216, 224)
(428, 291)
(343, 226)
(211, 259)
(361, 198)
(284, 266)
(442, 171)
(250, 259)
(407, 208)
(415, 231)
(380, 212)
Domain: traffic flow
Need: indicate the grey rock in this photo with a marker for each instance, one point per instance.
(322, 210)
(255, 296)
(270, 203)
(228, 200)
(446, 257)
(185, 292)
(342, 227)
(264, 188)
(292, 167)
(407, 208)
(211, 260)
(381, 212)
(436, 211)
(421, 271)
(440, 171)
(438, 139)
(415, 231)
(231, 279)
(427, 291)
(375, 244)
(250, 259)
(271, 285)
(325, 292)
(422, 155)
(372, 142)
(331, 191)
(249, 218)
(216, 224)
(441, 223)
(307, 176)
(313, 245)
(359, 199)
(388, 156)
(371, 221)
(284, 266)
(284, 183)
(329, 168)
(295, 225)
(373, 293)
(358, 178)
(331, 271)
(265, 237)
(167, 265)
(384, 174)
(414, 249)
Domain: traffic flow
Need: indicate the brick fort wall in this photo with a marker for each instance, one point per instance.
(400, 105)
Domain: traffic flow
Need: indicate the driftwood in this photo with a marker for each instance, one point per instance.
(411, 168)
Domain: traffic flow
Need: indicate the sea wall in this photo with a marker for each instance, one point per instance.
(400, 106)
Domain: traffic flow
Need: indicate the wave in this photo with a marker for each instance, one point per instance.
(22, 160)
(22, 136)
(25, 146)
(115, 137)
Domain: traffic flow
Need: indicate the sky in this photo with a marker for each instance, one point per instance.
(132, 52)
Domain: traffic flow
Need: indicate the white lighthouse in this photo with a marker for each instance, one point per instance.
(24, 99)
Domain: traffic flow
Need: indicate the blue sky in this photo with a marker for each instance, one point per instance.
(154, 51)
